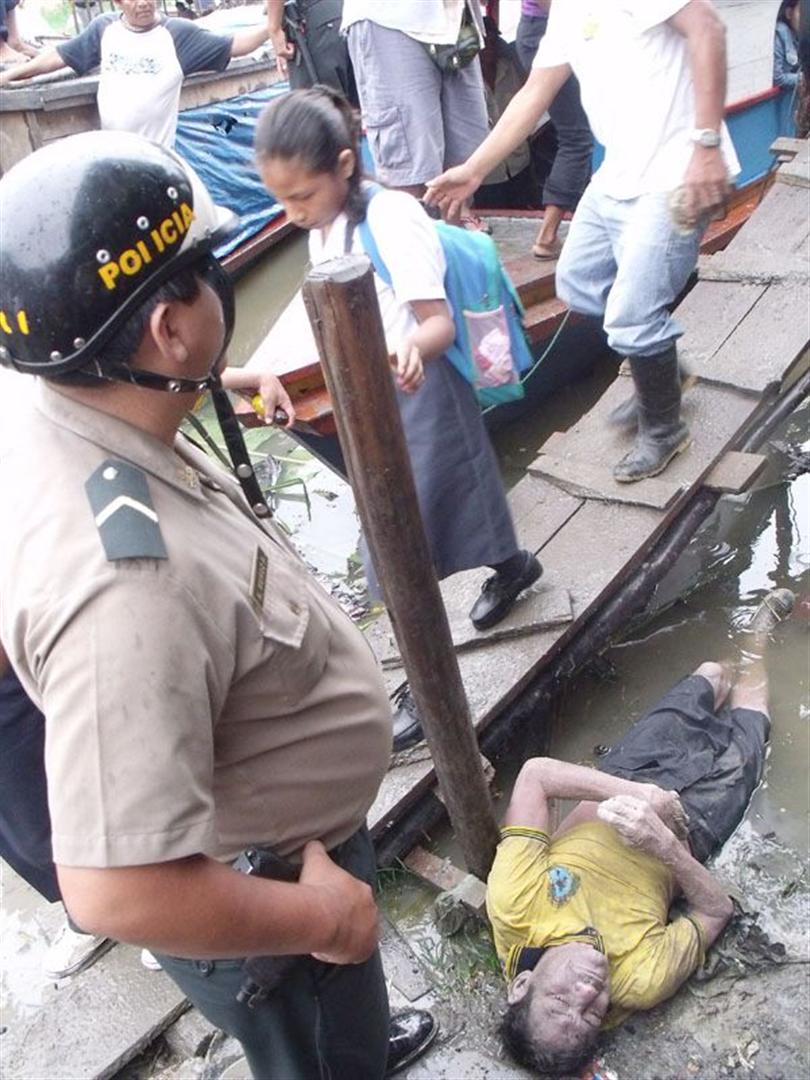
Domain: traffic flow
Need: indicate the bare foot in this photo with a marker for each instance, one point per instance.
(774, 606)
(542, 250)
(9, 55)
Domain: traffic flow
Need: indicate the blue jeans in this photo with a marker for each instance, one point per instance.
(324, 1022)
(624, 262)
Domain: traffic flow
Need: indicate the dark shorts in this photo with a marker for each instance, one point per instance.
(714, 760)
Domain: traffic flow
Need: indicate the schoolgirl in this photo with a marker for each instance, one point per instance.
(307, 151)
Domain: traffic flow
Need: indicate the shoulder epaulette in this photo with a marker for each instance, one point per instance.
(123, 512)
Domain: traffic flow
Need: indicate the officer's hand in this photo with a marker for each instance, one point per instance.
(348, 906)
(636, 823)
(282, 49)
(452, 190)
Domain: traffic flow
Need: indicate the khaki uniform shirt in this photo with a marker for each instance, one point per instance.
(202, 701)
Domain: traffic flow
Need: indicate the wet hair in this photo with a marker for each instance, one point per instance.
(125, 342)
(314, 126)
(527, 1050)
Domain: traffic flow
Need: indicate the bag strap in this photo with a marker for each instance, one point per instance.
(367, 237)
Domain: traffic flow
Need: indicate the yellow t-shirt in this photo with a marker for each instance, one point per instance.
(539, 892)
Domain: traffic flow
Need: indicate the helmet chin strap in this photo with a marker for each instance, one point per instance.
(153, 380)
(231, 428)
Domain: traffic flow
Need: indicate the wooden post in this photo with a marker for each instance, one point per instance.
(342, 305)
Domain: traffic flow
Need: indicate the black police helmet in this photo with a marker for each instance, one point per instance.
(92, 225)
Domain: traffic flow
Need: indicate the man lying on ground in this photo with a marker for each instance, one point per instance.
(581, 916)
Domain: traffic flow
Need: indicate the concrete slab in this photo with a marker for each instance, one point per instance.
(760, 352)
(539, 510)
(455, 1062)
(708, 316)
(538, 608)
(96, 1023)
(591, 480)
(735, 472)
(402, 967)
(713, 413)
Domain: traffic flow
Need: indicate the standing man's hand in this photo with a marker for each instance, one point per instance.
(706, 183)
(348, 906)
(453, 190)
(283, 50)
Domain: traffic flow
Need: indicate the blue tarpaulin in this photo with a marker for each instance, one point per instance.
(217, 141)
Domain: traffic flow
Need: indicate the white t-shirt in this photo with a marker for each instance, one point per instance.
(636, 84)
(141, 77)
(410, 248)
(141, 72)
(435, 21)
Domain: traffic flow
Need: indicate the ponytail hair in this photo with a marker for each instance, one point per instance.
(315, 126)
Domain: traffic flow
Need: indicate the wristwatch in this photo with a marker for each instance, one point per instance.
(706, 137)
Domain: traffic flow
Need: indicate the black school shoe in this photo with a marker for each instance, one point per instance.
(410, 1034)
(498, 594)
(407, 725)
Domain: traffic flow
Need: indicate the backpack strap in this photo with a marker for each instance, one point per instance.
(368, 241)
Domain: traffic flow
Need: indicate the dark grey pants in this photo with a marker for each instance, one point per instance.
(325, 1022)
(327, 48)
(571, 170)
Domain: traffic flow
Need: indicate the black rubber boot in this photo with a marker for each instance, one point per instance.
(625, 415)
(661, 432)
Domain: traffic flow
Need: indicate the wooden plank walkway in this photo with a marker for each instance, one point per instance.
(747, 332)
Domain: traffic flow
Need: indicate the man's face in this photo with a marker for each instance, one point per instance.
(570, 995)
(139, 14)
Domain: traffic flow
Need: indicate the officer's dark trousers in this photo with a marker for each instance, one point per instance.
(25, 825)
(325, 1021)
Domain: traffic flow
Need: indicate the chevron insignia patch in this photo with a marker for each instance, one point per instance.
(122, 508)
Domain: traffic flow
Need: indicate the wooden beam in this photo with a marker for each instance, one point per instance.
(341, 302)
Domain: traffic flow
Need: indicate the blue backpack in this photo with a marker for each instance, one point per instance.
(490, 349)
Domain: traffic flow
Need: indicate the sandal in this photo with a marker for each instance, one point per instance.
(547, 252)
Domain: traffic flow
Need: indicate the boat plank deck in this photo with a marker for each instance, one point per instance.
(744, 339)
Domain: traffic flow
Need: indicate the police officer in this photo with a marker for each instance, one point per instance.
(202, 694)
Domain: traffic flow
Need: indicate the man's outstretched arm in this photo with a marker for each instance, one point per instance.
(541, 779)
(246, 41)
(41, 64)
(456, 186)
(639, 827)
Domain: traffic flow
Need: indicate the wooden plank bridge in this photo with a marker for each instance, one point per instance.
(746, 335)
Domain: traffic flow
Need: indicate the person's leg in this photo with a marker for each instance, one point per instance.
(587, 266)
(402, 115)
(571, 169)
(654, 264)
(750, 689)
(25, 823)
(9, 51)
(531, 29)
(720, 678)
(464, 115)
(327, 47)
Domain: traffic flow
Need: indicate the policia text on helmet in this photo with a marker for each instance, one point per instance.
(126, 224)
